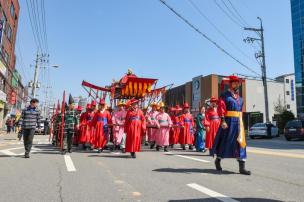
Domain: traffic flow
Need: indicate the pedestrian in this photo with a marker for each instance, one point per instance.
(212, 123)
(77, 129)
(118, 121)
(70, 124)
(164, 125)
(30, 120)
(200, 131)
(151, 121)
(101, 120)
(86, 127)
(9, 125)
(187, 130)
(46, 125)
(135, 127)
(172, 136)
(230, 139)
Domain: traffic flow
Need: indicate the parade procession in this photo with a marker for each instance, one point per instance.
(152, 101)
(137, 116)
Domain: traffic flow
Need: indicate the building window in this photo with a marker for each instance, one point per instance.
(287, 93)
(9, 33)
(286, 80)
(12, 10)
(288, 106)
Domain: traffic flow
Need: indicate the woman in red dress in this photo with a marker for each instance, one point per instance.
(212, 122)
(101, 120)
(135, 127)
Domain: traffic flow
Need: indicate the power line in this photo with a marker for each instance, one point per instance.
(227, 14)
(206, 37)
(34, 15)
(238, 13)
(44, 25)
(32, 26)
(232, 13)
(218, 30)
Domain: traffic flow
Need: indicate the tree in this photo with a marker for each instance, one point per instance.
(283, 118)
(279, 107)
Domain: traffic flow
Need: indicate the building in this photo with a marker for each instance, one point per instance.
(280, 91)
(9, 15)
(297, 14)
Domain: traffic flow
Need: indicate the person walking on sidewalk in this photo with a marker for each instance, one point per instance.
(30, 119)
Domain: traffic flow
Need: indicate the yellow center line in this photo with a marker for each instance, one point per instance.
(276, 153)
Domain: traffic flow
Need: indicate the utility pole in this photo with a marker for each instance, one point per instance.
(35, 83)
(260, 55)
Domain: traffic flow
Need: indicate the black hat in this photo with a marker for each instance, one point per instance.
(34, 100)
(71, 99)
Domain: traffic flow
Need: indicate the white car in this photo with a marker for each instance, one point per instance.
(263, 130)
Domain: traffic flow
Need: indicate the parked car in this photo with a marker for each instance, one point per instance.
(294, 130)
(267, 130)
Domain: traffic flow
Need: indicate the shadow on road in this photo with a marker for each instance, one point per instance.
(108, 156)
(192, 170)
(225, 199)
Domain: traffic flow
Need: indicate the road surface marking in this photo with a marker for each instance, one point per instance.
(187, 157)
(136, 193)
(275, 153)
(16, 148)
(211, 193)
(69, 163)
(9, 153)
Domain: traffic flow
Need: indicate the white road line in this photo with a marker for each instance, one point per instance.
(187, 157)
(69, 163)
(9, 153)
(211, 193)
(16, 148)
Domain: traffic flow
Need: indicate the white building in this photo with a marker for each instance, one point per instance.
(279, 90)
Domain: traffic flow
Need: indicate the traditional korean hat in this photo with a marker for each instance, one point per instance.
(79, 108)
(161, 105)
(121, 103)
(213, 99)
(186, 105)
(93, 103)
(172, 109)
(102, 102)
(178, 108)
(233, 78)
(153, 104)
(132, 101)
(71, 99)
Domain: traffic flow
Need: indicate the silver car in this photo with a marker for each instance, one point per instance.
(263, 130)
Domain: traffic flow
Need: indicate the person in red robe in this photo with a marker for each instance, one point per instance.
(92, 134)
(187, 128)
(85, 126)
(135, 127)
(100, 121)
(212, 123)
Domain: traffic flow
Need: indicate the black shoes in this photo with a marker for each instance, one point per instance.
(70, 151)
(123, 150)
(27, 155)
(133, 155)
(157, 148)
(166, 149)
(99, 150)
(191, 147)
(243, 170)
(218, 164)
(63, 152)
(152, 146)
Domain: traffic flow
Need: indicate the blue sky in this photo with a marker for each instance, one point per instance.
(98, 40)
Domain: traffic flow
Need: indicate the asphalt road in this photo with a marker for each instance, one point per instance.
(277, 174)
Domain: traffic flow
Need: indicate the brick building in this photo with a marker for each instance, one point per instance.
(10, 87)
